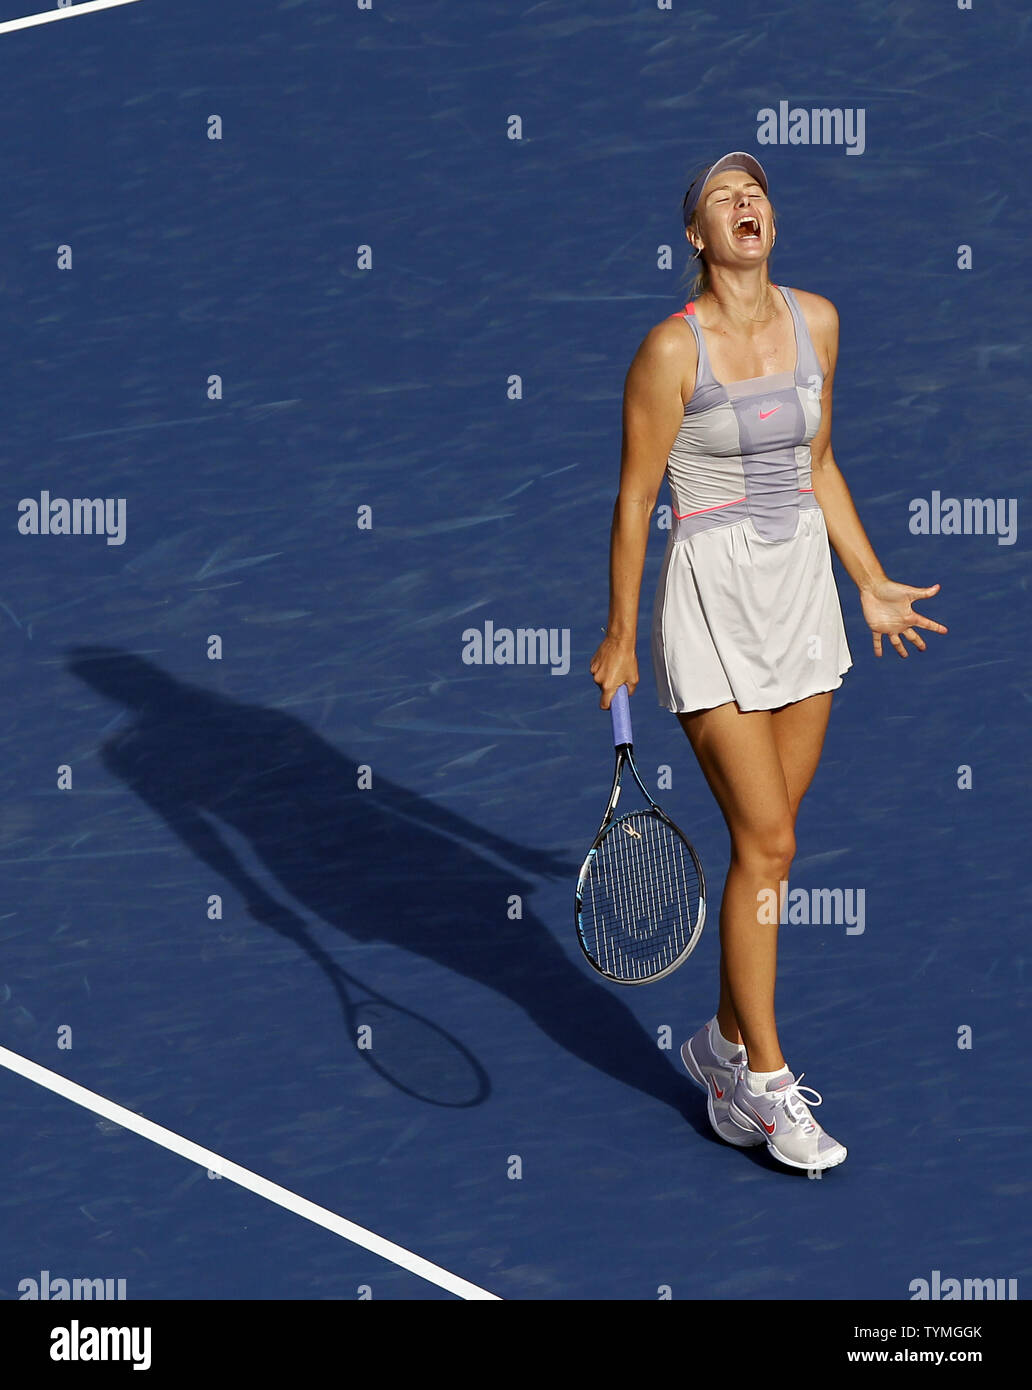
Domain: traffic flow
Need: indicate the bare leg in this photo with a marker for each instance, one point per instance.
(758, 765)
(799, 731)
(726, 1019)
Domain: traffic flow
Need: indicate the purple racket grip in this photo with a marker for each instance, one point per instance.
(620, 709)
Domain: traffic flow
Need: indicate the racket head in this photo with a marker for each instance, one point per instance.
(641, 898)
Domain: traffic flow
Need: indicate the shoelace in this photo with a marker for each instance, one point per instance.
(794, 1104)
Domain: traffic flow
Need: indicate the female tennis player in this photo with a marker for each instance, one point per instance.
(730, 399)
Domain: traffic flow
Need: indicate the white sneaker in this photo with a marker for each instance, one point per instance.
(781, 1117)
(717, 1078)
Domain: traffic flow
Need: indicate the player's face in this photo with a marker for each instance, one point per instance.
(734, 218)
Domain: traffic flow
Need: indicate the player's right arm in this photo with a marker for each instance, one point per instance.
(653, 409)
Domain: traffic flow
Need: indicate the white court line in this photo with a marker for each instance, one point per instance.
(300, 1206)
(48, 18)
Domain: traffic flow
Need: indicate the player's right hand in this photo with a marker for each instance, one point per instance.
(613, 665)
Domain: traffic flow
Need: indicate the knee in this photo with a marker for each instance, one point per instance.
(767, 855)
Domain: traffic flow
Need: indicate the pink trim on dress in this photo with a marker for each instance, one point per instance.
(714, 509)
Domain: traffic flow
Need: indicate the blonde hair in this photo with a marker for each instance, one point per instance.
(697, 271)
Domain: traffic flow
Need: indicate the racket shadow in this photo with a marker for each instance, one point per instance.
(414, 1054)
(417, 1056)
(382, 865)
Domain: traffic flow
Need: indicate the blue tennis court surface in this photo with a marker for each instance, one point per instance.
(349, 379)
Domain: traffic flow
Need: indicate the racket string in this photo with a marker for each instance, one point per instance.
(643, 897)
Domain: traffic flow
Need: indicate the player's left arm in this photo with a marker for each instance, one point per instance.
(845, 530)
(887, 606)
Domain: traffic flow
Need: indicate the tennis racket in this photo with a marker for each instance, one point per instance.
(641, 896)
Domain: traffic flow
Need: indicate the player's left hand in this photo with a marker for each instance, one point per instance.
(889, 613)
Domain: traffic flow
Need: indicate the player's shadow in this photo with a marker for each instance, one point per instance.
(381, 864)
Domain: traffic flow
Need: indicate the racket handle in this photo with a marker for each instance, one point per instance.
(620, 709)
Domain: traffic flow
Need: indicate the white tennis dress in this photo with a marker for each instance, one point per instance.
(747, 608)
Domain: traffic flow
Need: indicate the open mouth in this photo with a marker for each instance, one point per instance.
(747, 228)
